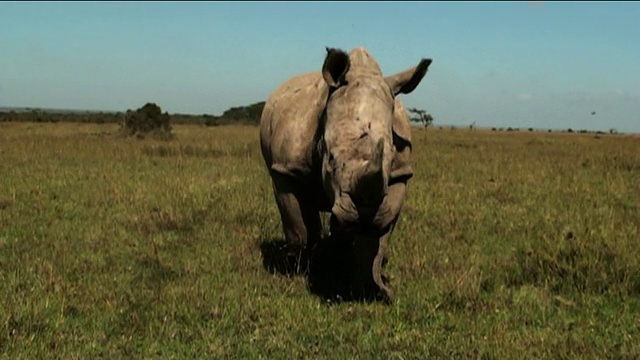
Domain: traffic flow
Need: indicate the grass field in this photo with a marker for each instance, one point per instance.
(519, 245)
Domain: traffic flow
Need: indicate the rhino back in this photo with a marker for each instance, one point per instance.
(289, 123)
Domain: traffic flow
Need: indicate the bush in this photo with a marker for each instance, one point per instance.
(147, 120)
(242, 114)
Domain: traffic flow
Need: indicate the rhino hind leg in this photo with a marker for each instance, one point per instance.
(300, 219)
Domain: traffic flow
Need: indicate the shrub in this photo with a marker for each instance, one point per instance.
(147, 120)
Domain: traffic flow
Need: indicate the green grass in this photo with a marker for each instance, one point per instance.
(510, 246)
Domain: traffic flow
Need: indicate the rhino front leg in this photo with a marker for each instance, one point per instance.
(389, 215)
(366, 274)
(370, 251)
(300, 218)
(385, 292)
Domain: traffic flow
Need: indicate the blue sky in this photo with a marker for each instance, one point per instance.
(498, 64)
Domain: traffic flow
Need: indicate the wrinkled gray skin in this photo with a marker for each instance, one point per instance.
(339, 141)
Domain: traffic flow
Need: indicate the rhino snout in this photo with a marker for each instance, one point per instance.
(348, 215)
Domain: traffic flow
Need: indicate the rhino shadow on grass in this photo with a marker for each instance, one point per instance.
(327, 269)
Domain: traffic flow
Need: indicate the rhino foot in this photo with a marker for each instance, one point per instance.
(385, 294)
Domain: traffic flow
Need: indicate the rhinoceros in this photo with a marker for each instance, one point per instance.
(338, 140)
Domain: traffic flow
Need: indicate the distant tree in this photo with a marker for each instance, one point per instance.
(243, 114)
(148, 119)
(421, 116)
(37, 115)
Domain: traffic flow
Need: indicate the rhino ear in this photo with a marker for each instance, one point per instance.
(335, 67)
(406, 81)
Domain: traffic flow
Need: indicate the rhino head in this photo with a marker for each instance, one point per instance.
(357, 144)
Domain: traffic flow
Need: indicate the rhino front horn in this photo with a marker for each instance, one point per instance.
(378, 156)
(371, 185)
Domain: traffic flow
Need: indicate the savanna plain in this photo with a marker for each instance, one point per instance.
(510, 245)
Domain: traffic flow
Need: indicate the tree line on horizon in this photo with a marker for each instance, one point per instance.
(246, 115)
(238, 115)
(249, 115)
